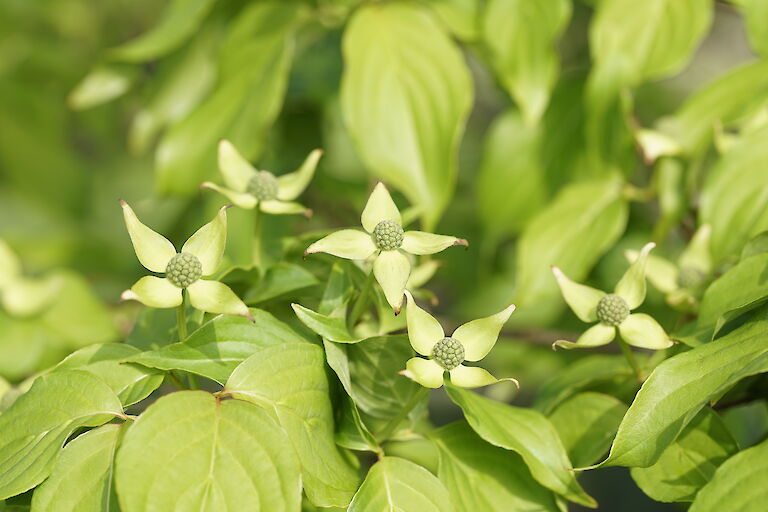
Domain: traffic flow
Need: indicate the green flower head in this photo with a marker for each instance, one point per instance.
(385, 239)
(249, 188)
(613, 310)
(22, 296)
(199, 257)
(680, 281)
(470, 342)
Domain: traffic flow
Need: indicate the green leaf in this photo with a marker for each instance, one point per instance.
(584, 374)
(739, 483)
(480, 476)
(397, 484)
(192, 451)
(254, 66)
(756, 16)
(722, 101)
(680, 386)
(690, 462)
(332, 328)
(462, 17)
(742, 286)
(511, 185)
(521, 37)
(528, 433)
(101, 85)
(81, 480)
(575, 229)
(131, 382)
(405, 110)
(217, 347)
(734, 199)
(369, 373)
(290, 380)
(586, 423)
(179, 22)
(35, 427)
(649, 39)
(280, 279)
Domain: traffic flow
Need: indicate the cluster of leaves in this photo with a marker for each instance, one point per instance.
(324, 405)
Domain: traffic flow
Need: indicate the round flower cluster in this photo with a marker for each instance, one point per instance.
(448, 353)
(263, 186)
(388, 235)
(612, 310)
(184, 269)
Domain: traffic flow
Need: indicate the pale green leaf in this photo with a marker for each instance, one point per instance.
(35, 427)
(690, 462)
(397, 484)
(290, 380)
(738, 484)
(756, 17)
(254, 65)
(218, 346)
(179, 22)
(81, 480)
(331, 328)
(500, 480)
(405, 110)
(462, 17)
(680, 386)
(192, 451)
(522, 36)
(153, 249)
(528, 433)
(587, 423)
(101, 85)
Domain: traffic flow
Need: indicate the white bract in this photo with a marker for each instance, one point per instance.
(612, 311)
(470, 342)
(199, 257)
(23, 296)
(249, 188)
(385, 240)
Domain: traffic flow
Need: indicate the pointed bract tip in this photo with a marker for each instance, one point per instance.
(513, 381)
(122, 202)
(226, 207)
(249, 316)
(126, 295)
(461, 241)
(308, 213)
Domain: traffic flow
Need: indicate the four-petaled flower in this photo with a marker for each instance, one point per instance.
(612, 311)
(199, 257)
(681, 281)
(250, 188)
(385, 238)
(470, 342)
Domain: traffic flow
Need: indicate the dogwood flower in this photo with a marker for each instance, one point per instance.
(612, 310)
(680, 280)
(385, 240)
(249, 188)
(199, 257)
(470, 342)
(23, 296)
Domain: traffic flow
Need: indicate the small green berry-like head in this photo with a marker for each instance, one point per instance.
(448, 353)
(263, 186)
(612, 310)
(690, 277)
(184, 269)
(388, 235)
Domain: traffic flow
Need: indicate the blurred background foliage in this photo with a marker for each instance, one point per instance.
(545, 133)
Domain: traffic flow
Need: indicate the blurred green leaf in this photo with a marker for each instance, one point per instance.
(576, 228)
(511, 185)
(35, 427)
(192, 450)
(397, 484)
(690, 462)
(738, 482)
(81, 479)
(102, 84)
(500, 479)
(218, 346)
(533, 437)
(179, 22)
(521, 37)
(462, 17)
(586, 423)
(680, 386)
(254, 64)
(756, 17)
(290, 380)
(406, 110)
(734, 198)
